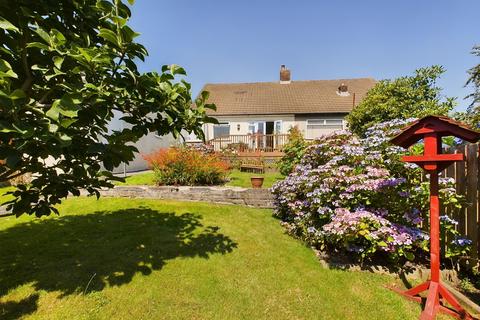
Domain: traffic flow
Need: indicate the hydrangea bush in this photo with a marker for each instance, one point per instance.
(355, 195)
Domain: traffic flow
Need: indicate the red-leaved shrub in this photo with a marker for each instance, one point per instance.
(187, 166)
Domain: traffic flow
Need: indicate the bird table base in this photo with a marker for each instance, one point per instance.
(437, 296)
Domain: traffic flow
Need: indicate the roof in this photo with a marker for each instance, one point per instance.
(296, 97)
(444, 126)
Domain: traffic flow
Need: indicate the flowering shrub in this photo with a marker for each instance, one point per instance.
(294, 150)
(355, 195)
(192, 165)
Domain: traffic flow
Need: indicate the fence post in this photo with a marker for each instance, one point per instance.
(460, 184)
(472, 198)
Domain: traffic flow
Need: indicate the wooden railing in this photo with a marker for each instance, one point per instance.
(250, 142)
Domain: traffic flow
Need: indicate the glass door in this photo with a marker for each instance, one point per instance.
(277, 141)
(257, 131)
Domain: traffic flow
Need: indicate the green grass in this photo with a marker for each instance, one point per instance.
(5, 197)
(140, 179)
(242, 179)
(148, 259)
(236, 179)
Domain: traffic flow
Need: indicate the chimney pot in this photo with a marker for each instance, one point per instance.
(284, 74)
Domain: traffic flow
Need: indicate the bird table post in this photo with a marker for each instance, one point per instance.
(431, 129)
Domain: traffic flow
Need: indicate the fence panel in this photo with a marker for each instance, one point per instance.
(467, 182)
(471, 196)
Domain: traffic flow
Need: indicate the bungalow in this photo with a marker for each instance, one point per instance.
(316, 107)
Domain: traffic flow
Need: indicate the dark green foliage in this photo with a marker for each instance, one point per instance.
(294, 150)
(66, 68)
(402, 98)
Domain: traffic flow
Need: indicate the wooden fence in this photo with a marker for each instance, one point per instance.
(467, 181)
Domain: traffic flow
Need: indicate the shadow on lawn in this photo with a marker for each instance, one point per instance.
(84, 253)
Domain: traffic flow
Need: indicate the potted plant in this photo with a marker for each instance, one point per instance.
(257, 181)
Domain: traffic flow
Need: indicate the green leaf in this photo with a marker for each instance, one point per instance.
(205, 95)
(131, 2)
(85, 54)
(38, 45)
(65, 106)
(382, 244)
(65, 138)
(17, 94)
(52, 127)
(109, 35)
(410, 256)
(6, 70)
(68, 106)
(53, 113)
(37, 67)
(176, 69)
(104, 5)
(129, 34)
(57, 61)
(53, 75)
(7, 25)
(67, 122)
(58, 36)
(43, 34)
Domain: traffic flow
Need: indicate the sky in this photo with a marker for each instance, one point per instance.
(226, 41)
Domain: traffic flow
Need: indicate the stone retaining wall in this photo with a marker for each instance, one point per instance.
(260, 198)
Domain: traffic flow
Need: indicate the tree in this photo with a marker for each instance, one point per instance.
(66, 67)
(401, 98)
(473, 111)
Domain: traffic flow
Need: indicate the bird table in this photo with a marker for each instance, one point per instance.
(431, 129)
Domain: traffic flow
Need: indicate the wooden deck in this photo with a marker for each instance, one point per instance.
(250, 142)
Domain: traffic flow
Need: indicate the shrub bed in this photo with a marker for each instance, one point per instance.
(355, 196)
(189, 166)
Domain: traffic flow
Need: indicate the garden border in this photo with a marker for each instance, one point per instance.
(259, 198)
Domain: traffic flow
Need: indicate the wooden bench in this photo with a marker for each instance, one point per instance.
(252, 165)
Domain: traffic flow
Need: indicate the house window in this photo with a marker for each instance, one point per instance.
(319, 127)
(221, 130)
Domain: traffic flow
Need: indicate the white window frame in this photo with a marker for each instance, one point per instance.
(221, 123)
(256, 124)
(280, 124)
(324, 124)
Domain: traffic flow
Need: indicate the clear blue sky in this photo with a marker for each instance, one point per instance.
(247, 40)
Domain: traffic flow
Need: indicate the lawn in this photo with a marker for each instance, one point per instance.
(236, 179)
(242, 179)
(149, 259)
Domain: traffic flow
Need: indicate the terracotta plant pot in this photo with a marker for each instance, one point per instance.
(257, 182)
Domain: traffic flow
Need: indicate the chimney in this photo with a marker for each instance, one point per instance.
(284, 75)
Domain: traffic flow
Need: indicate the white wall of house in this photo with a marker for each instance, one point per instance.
(315, 125)
(311, 125)
(145, 145)
(241, 125)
